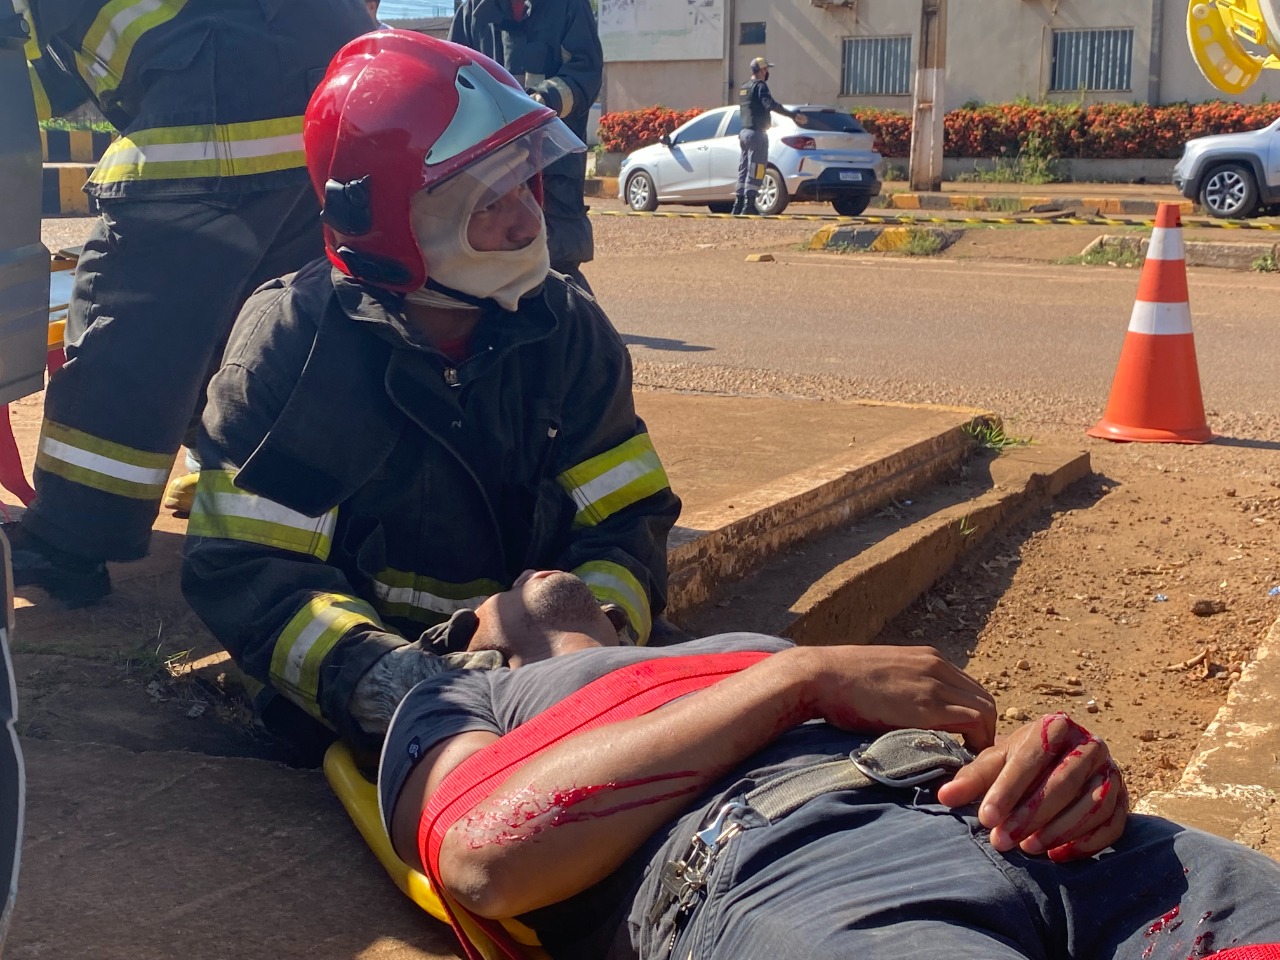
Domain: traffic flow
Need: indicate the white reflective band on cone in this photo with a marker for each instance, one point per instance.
(1161, 319)
(1166, 244)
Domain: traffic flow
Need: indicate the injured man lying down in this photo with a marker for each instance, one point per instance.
(739, 797)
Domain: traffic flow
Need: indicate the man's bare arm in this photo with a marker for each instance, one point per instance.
(574, 813)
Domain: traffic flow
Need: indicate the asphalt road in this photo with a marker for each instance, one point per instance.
(1033, 340)
(1036, 340)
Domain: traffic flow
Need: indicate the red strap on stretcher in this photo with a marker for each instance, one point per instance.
(621, 695)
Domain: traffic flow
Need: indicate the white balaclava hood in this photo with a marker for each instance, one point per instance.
(440, 221)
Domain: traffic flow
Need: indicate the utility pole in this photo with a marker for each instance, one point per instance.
(929, 100)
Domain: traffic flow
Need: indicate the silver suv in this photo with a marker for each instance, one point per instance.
(1232, 174)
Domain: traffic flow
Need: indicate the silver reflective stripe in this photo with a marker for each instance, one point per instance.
(106, 49)
(611, 481)
(224, 511)
(98, 463)
(127, 156)
(423, 600)
(248, 506)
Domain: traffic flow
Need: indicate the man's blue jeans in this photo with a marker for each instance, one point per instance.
(867, 875)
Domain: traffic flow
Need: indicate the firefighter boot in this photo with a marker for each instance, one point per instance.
(749, 208)
(72, 580)
(738, 201)
(181, 494)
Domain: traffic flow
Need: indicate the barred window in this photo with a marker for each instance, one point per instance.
(876, 66)
(750, 33)
(1092, 60)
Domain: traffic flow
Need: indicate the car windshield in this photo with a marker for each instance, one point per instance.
(832, 121)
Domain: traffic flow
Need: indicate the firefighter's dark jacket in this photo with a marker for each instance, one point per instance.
(207, 94)
(357, 487)
(554, 50)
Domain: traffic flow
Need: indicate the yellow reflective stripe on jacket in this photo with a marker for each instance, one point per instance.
(101, 464)
(106, 46)
(44, 111)
(613, 583)
(223, 510)
(417, 597)
(203, 150)
(308, 638)
(614, 480)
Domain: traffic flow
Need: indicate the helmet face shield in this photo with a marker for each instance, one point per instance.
(493, 176)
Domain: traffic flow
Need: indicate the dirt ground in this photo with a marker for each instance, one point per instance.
(1133, 605)
(1135, 602)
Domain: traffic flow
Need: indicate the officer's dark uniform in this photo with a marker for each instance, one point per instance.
(204, 196)
(554, 50)
(755, 104)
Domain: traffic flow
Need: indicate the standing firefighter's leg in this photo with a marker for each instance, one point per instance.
(569, 237)
(156, 290)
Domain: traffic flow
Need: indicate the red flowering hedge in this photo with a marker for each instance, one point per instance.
(629, 130)
(1110, 131)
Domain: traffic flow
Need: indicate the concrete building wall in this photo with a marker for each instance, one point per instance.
(678, 84)
(996, 52)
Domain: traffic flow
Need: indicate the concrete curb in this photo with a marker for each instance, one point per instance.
(601, 187)
(843, 236)
(1232, 785)
(62, 190)
(1199, 253)
(1116, 206)
(855, 601)
(713, 546)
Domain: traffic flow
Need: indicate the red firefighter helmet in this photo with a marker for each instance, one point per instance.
(399, 112)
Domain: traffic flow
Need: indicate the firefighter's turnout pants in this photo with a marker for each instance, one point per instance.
(155, 294)
(752, 162)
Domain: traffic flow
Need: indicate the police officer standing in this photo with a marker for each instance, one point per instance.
(553, 49)
(756, 104)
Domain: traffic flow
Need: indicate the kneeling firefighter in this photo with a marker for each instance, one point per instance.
(401, 429)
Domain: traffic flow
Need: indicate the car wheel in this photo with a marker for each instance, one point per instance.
(850, 206)
(641, 194)
(720, 206)
(1229, 191)
(772, 198)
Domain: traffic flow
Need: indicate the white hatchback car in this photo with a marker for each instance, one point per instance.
(832, 158)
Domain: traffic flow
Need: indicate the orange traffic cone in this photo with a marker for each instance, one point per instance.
(1155, 396)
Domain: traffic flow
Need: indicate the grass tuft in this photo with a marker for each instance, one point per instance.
(990, 435)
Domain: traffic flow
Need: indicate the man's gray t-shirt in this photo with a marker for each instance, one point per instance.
(610, 919)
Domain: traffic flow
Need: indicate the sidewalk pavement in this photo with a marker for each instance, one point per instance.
(159, 826)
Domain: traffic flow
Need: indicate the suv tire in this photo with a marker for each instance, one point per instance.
(642, 195)
(1230, 191)
(772, 198)
(851, 206)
